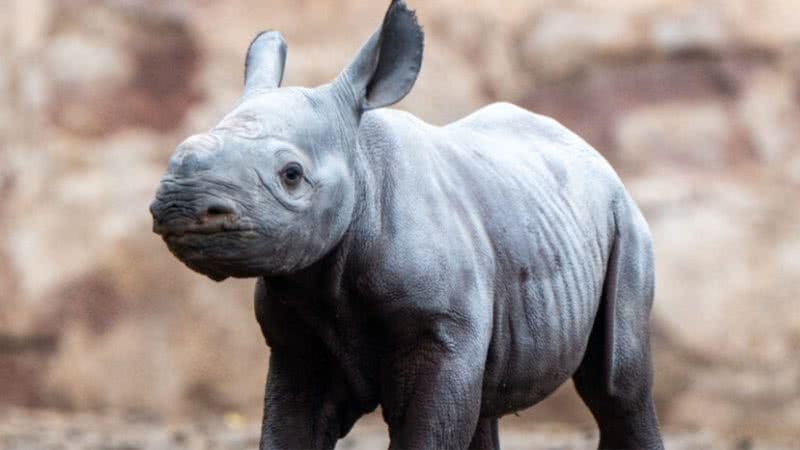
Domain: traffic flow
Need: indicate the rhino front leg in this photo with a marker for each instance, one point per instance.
(432, 395)
(306, 403)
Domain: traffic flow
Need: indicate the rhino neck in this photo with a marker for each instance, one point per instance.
(371, 161)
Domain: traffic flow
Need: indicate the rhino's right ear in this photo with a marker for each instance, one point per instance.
(266, 58)
(386, 67)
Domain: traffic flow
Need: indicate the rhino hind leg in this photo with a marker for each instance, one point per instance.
(616, 375)
(486, 435)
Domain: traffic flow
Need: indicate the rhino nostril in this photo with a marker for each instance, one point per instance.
(219, 210)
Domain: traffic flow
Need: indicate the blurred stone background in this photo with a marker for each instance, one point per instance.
(695, 102)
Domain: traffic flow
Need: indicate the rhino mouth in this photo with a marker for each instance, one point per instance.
(212, 249)
(202, 228)
(205, 217)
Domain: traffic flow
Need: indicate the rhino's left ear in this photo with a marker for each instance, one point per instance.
(386, 67)
(266, 58)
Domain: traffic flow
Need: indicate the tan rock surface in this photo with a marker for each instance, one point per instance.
(696, 104)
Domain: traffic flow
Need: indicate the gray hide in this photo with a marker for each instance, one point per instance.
(449, 274)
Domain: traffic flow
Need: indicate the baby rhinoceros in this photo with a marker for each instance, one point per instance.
(450, 274)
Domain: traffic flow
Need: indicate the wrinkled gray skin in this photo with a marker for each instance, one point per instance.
(449, 274)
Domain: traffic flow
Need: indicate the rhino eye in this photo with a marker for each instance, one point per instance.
(292, 174)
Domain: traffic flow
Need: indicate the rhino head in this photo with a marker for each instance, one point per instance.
(273, 187)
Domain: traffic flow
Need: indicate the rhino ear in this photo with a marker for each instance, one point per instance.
(266, 58)
(386, 67)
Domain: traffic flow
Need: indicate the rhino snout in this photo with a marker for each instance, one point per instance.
(204, 216)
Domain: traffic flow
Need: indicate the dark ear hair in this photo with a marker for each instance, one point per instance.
(266, 58)
(386, 67)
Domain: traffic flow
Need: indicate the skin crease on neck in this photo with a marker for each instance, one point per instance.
(450, 275)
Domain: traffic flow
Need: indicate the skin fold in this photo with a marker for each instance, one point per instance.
(451, 274)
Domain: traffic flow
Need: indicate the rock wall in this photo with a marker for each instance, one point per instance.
(696, 103)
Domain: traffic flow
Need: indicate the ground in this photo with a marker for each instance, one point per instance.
(50, 430)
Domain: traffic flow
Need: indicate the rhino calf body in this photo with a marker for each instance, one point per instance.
(449, 274)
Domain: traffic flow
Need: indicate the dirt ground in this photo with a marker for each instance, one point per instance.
(50, 430)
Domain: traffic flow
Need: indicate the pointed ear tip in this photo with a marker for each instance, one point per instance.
(266, 55)
(399, 7)
(269, 35)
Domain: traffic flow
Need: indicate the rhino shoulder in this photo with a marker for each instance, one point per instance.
(390, 135)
